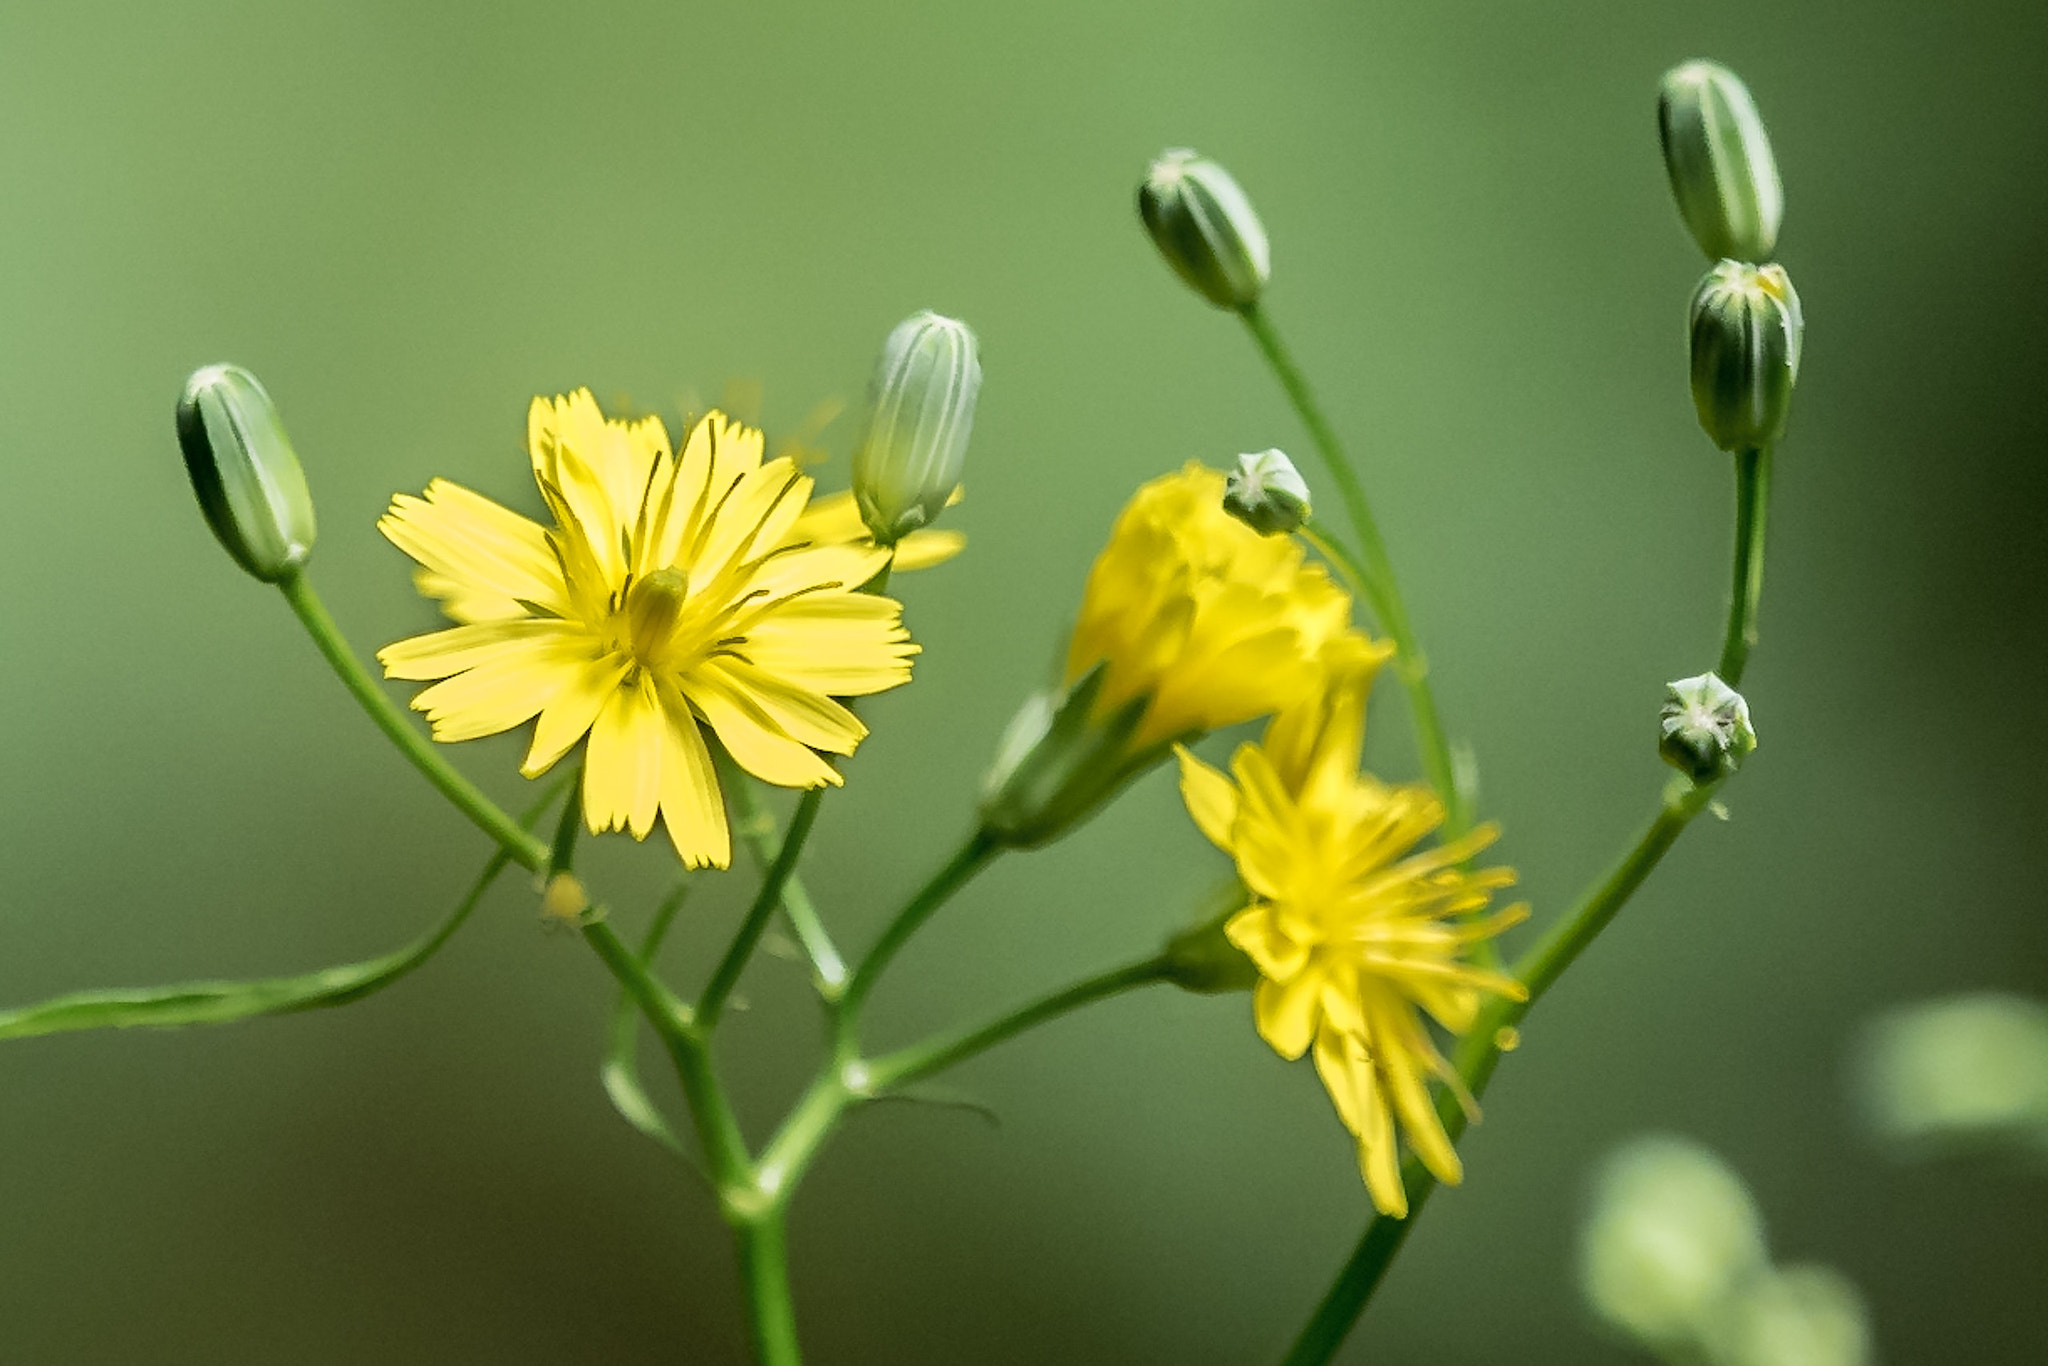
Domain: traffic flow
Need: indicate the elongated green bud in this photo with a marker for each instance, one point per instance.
(1746, 334)
(1206, 229)
(920, 413)
(1267, 493)
(1058, 762)
(1722, 171)
(248, 480)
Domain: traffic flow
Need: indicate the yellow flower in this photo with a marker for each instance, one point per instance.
(1190, 621)
(670, 595)
(1355, 937)
(1207, 620)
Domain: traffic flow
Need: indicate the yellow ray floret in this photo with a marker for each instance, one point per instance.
(674, 592)
(1355, 936)
(1208, 621)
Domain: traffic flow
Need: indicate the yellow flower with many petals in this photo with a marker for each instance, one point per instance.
(1355, 936)
(672, 593)
(1190, 621)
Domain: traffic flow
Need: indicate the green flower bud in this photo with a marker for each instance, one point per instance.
(1267, 493)
(1057, 762)
(1722, 171)
(248, 480)
(1706, 730)
(1202, 959)
(920, 411)
(1205, 228)
(1746, 334)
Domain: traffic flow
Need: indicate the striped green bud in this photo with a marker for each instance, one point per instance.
(248, 480)
(1206, 229)
(1706, 729)
(1719, 157)
(920, 413)
(1746, 334)
(1267, 493)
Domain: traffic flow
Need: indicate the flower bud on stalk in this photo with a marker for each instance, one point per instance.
(1719, 157)
(1746, 334)
(248, 480)
(1706, 730)
(1267, 493)
(1206, 229)
(920, 412)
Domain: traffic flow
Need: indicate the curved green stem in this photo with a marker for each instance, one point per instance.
(726, 975)
(756, 827)
(520, 846)
(923, 1060)
(979, 850)
(1371, 572)
(1752, 497)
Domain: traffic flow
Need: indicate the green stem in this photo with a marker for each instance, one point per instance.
(923, 1060)
(1437, 764)
(620, 1073)
(756, 826)
(718, 1129)
(979, 850)
(727, 974)
(1752, 496)
(522, 847)
(764, 1271)
(1372, 572)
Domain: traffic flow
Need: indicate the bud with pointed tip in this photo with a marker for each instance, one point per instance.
(1267, 493)
(1206, 228)
(1706, 730)
(1746, 333)
(248, 480)
(920, 412)
(1719, 157)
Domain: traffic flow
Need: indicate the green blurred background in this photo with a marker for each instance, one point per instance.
(409, 219)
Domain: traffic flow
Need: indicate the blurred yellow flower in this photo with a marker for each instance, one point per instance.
(1208, 621)
(672, 593)
(1355, 936)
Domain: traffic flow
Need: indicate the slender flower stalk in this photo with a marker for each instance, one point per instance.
(1371, 572)
(756, 827)
(774, 881)
(1752, 501)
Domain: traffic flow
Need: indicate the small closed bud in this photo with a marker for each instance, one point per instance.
(248, 480)
(920, 412)
(1746, 334)
(1706, 730)
(1206, 229)
(1719, 157)
(1267, 493)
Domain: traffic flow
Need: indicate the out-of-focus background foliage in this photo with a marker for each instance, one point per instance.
(409, 219)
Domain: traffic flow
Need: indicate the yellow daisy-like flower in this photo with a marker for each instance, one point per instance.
(1207, 620)
(1355, 936)
(674, 592)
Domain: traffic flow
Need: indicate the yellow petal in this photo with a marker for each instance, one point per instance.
(572, 712)
(752, 738)
(838, 644)
(486, 556)
(622, 766)
(1211, 798)
(805, 716)
(441, 653)
(927, 549)
(692, 807)
(500, 694)
(1286, 1013)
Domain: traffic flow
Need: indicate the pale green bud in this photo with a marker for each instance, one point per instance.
(1706, 730)
(1722, 171)
(1267, 493)
(1746, 334)
(1206, 229)
(248, 480)
(920, 412)
(1057, 762)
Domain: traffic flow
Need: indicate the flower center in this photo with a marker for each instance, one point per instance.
(654, 608)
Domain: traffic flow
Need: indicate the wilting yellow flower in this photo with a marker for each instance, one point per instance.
(1190, 621)
(671, 594)
(1355, 937)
